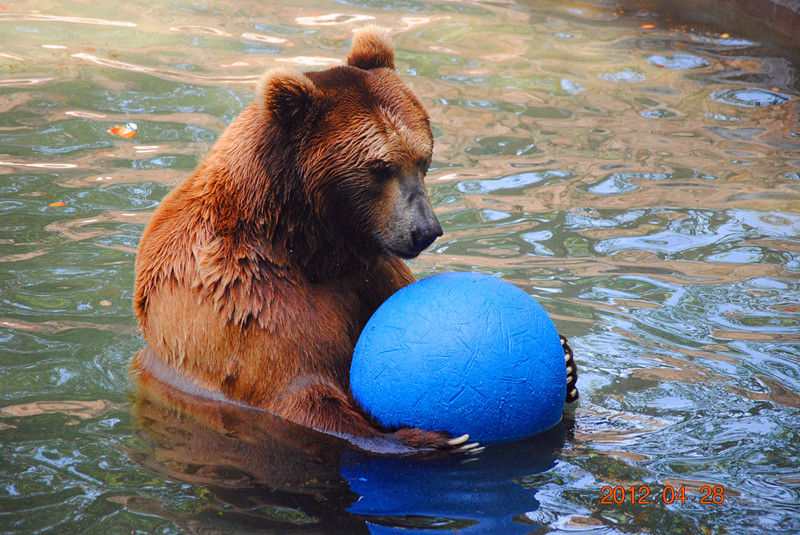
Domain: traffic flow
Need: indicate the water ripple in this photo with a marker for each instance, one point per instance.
(678, 61)
(750, 97)
(40, 17)
(167, 74)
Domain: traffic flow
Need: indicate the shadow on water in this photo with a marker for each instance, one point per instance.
(272, 476)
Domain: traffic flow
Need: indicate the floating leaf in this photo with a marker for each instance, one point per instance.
(127, 131)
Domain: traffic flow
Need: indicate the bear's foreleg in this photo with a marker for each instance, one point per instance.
(322, 405)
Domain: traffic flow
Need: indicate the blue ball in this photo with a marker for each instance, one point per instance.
(463, 353)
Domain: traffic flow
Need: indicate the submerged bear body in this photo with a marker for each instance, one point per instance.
(256, 275)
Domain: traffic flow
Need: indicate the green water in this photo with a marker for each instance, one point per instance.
(642, 183)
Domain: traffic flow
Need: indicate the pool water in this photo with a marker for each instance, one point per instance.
(637, 173)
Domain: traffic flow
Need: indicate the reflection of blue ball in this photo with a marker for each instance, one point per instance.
(463, 353)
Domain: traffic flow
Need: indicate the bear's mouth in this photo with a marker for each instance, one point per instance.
(411, 251)
(404, 254)
(425, 243)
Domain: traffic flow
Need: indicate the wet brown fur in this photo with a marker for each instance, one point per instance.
(256, 275)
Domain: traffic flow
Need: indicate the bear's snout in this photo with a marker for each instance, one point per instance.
(426, 231)
(410, 225)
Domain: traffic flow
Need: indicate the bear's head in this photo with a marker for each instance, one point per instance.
(361, 144)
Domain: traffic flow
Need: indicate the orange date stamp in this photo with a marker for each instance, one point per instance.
(643, 495)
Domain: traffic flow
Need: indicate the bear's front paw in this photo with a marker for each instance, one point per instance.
(572, 370)
(436, 440)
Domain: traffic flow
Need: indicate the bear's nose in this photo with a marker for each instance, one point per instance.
(426, 233)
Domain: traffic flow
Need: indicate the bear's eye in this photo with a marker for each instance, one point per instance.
(424, 165)
(381, 171)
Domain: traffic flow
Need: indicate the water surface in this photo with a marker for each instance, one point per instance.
(638, 175)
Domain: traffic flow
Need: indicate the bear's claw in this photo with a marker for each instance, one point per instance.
(458, 440)
(471, 449)
(572, 371)
(434, 441)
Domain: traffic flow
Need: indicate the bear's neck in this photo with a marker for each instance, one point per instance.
(251, 195)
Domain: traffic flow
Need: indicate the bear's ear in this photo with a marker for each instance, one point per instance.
(372, 49)
(285, 95)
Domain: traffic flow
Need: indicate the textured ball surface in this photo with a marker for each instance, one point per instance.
(463, 353)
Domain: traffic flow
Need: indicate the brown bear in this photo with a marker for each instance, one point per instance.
(256, 275)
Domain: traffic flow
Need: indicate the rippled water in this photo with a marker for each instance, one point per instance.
(643, 183)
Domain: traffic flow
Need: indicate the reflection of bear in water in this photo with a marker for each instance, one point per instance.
(257, 274)
(272, 476)
(248, 458)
